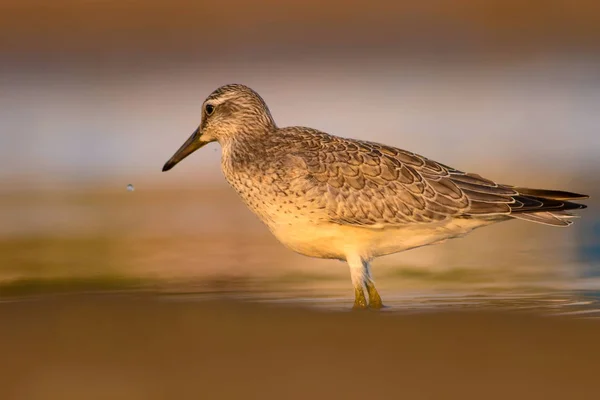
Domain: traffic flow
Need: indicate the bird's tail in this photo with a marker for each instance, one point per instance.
(549, 207)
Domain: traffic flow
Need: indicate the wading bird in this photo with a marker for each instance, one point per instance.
(330, 197)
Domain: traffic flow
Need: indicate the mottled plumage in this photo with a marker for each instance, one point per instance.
(331, 197)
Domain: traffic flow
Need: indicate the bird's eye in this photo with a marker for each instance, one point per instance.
(209, 109)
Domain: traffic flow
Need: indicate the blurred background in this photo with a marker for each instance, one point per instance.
(96, 95)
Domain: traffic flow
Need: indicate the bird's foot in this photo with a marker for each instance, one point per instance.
(360, 302)
(374, 298)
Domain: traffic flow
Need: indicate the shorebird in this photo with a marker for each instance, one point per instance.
(330, 197)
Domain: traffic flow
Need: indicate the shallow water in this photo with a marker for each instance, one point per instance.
(140, 346)
(581, 304)
(577, 304)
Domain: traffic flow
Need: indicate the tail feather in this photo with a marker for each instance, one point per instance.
(545, 217)
(495, 201)
(548, 207)
(550, 194)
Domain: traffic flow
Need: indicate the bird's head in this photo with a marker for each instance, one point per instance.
(230, 111)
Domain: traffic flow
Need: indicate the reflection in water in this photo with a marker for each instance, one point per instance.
(576, 304)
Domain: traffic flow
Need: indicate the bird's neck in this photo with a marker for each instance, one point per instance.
(246, 145)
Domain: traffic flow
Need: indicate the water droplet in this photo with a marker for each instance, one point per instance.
(130, 188)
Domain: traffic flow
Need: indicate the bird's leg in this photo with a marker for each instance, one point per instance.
(360, 272)
(360, 302)
(374, 298)
(357, 273)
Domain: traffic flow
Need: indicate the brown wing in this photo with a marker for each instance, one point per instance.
(369, 184)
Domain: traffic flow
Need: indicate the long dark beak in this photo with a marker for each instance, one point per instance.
(190, 146)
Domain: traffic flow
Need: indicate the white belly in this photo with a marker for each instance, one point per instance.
(337, 241)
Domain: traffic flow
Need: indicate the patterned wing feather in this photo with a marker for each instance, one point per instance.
(369, 184)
